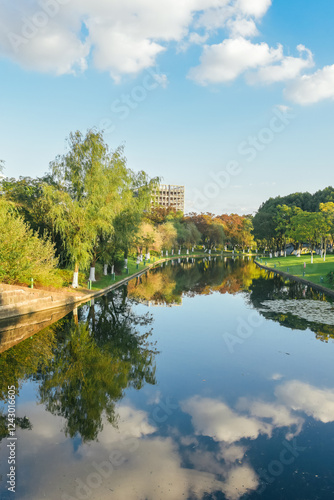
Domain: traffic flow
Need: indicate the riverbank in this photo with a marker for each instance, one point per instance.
(301, 269)
(16, 300)
(107, 283)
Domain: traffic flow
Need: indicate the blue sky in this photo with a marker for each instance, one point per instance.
(212, 94)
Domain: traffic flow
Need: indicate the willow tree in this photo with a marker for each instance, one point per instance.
(127, 222)
(85, 195)
(112, 197)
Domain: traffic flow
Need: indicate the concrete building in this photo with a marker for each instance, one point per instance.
(168, 195)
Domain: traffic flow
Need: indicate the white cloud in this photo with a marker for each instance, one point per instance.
(216, 17)
(317, 403)
(123, 38)
(132, 422)
(242, 27)
(148, 465)
(240, 480)
(193, 39)
(224, 62)
(288, 69)
(119, 53)
(39, 42)
(214, 418)
(256, 8)
(232, 453)
(279, 414)
(221, 13)
(154, 470)
(142, 465)
(310, 89)
(126, 37)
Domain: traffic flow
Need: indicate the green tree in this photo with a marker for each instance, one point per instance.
(86, 195)
(187, 234)
(265, 219)
(146, 238)
(308, 226)
(327, 209)
(128, 221)
(26, 193)
(168, 235)
(283, 222)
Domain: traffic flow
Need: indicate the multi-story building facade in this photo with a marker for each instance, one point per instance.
(168, 195)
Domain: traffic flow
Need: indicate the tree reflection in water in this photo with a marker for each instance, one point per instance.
(274, 288)
(83, 369)
(167, 286)
(17, 365)
(25, 359)
(94, 362)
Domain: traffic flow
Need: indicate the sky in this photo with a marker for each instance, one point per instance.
(233, 99)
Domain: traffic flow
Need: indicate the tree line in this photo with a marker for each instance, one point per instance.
(91, 210)
(296, 219)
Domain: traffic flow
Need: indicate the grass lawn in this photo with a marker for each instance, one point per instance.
(295, 266)
(106, 281)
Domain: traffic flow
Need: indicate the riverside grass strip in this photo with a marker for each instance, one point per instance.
(293, 268)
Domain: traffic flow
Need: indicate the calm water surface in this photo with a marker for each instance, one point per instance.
(200, 380)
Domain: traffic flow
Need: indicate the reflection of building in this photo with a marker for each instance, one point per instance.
(168, 195)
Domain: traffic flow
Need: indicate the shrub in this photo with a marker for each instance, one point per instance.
(330, 277)
(23, 255)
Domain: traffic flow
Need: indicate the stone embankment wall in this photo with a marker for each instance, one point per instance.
(14, 330)
(17, 301)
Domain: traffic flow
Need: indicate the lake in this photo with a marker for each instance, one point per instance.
(202, 379)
